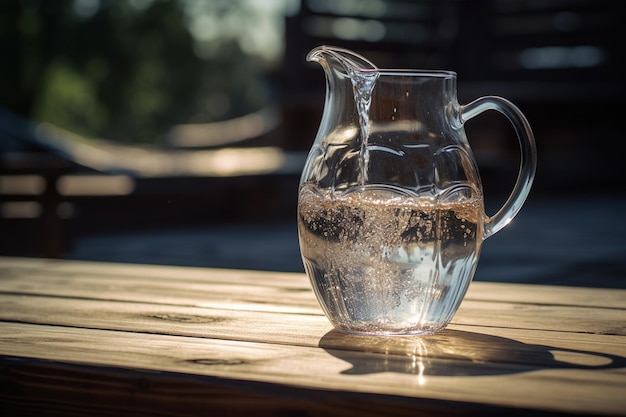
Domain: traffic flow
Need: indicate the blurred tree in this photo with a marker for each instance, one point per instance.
(122, 70)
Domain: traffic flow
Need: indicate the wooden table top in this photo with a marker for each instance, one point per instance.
(84, 338)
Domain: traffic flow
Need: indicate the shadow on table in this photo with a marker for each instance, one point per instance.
(457, 353)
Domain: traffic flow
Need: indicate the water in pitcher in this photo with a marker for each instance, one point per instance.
(385, 260)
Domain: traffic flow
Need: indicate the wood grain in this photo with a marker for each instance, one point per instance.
(81, 338)
(260, 298)
(255, 326)
(50, 269)
(455, 380)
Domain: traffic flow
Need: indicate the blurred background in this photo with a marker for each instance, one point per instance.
(174, 131)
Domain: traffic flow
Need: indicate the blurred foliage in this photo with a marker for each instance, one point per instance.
(121, 70)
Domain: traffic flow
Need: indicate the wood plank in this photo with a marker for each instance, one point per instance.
(130, 392)
(553, 388)
(302, 301)
(14, 266)
(37, 270)
(235, 295)
(547, 295)
(478, 343)
(231, 289)
(542, 317)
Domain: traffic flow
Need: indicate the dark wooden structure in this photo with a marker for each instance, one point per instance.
(560, 61)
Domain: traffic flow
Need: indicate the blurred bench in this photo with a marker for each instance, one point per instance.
(37, 195)
(55, 185)
(45, 199)
(29, 203)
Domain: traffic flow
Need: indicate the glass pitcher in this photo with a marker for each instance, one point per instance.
(390, 206)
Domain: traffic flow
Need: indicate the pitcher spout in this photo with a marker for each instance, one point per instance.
(339, 59)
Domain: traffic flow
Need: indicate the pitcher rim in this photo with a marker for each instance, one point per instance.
(314, 55)
(411, 72)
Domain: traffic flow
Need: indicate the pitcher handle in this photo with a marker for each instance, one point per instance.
(528, 163)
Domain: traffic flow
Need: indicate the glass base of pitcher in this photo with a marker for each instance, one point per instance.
(375, 329)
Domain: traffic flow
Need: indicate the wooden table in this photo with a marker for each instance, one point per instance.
(90, 339)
